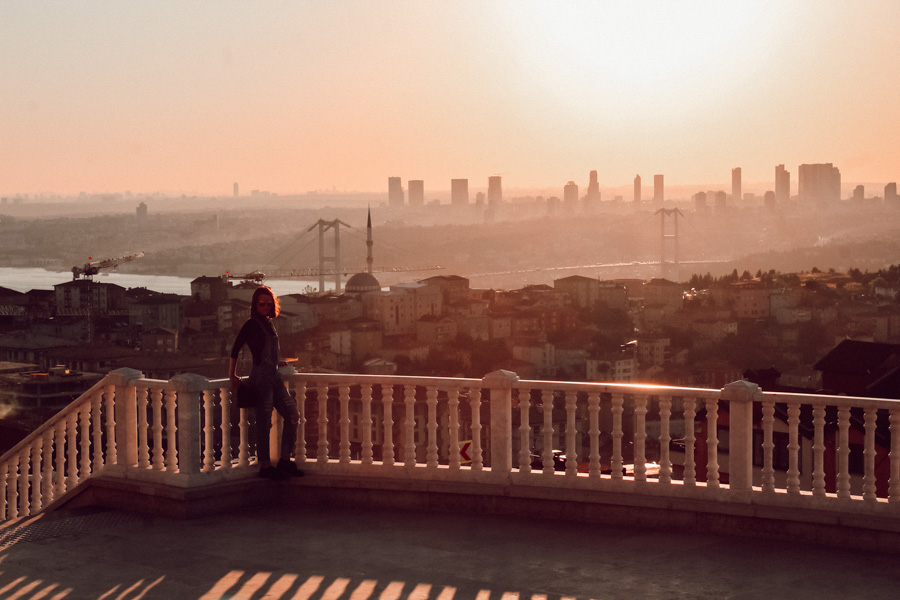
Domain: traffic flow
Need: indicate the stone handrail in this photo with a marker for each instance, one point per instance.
(645, 441)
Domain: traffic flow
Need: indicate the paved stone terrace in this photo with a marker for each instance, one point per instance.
(352, 554)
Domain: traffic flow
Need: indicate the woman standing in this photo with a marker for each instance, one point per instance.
(260, 336)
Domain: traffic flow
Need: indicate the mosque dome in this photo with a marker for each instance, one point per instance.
(362, 282)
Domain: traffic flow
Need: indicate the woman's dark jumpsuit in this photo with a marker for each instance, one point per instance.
(268, 386)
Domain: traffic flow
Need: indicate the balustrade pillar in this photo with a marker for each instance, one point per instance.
(189, 388)
(125, 414)
(740, 396)
(500, 384)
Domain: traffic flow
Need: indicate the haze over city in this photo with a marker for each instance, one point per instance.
(188, 98)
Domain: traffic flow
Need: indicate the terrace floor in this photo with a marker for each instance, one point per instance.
(334, 552)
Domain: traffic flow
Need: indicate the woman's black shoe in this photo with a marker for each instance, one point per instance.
(273, 473)
(289, 469)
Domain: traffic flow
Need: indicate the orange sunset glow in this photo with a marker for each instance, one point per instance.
(300, 96)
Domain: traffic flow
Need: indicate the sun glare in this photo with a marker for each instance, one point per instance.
(658, 58)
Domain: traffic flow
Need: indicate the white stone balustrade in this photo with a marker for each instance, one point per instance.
(735, 446)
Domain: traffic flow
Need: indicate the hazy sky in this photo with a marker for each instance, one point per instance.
(295, 96)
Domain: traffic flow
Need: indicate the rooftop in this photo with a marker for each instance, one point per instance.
(321, 551)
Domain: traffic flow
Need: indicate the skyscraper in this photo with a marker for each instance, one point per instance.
(495, 191)
(416, 192)
(890, 192)
(459, 192)
(782, 184)
(659, 195)
(736, 185)
(819, 183)
(637, 189)
(236, 189)
(395, 192)
(592, 197)
(570, 197)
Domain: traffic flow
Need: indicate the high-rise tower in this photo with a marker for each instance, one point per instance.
(736, 185)
(395, 192)
(416, 192)
(659, 195)
(782, 184)
(459, 192)
(637, 190)
(570, 197)
(819, 182)
(495, 191)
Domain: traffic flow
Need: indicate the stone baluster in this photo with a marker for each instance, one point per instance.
(640, 437)
(818, 478)
(97, 431)
(431, 454)
(475, 403)
(142, 400)
(72, 449)
(300, 447)
(768, 446)
(112, 453)
(869, 455)
(894, 484)
(12, 488)
(366, 423)
(37, 475)
(157, 428)
(84, 430)
(665, 438)
(453, 458)
(387, 402)
(344, 400)
(689, 406)
(128, 437)
(4, 473)
(548, 432)
(571, 450)
(322, 392)
(524, 431)
(243, 435)
(171, 431)
(409, 426)
(60, 445)
(209, 432)
(793, 474)
(594, 470)
(712, 442)
(618, 407)
(843, 452)
(48, 490)
(225, 407)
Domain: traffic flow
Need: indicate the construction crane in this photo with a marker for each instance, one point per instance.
(91, 268)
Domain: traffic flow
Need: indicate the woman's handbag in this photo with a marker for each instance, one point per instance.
(246, 395)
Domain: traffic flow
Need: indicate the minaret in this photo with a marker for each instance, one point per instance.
(369, 242)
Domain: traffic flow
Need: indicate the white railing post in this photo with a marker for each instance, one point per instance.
(125, 413)
(500, 384)
(740, 396)
(189, 388)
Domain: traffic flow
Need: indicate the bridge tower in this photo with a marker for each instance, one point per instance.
(335, 258)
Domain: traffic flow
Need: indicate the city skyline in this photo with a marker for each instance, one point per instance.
(299, 97)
